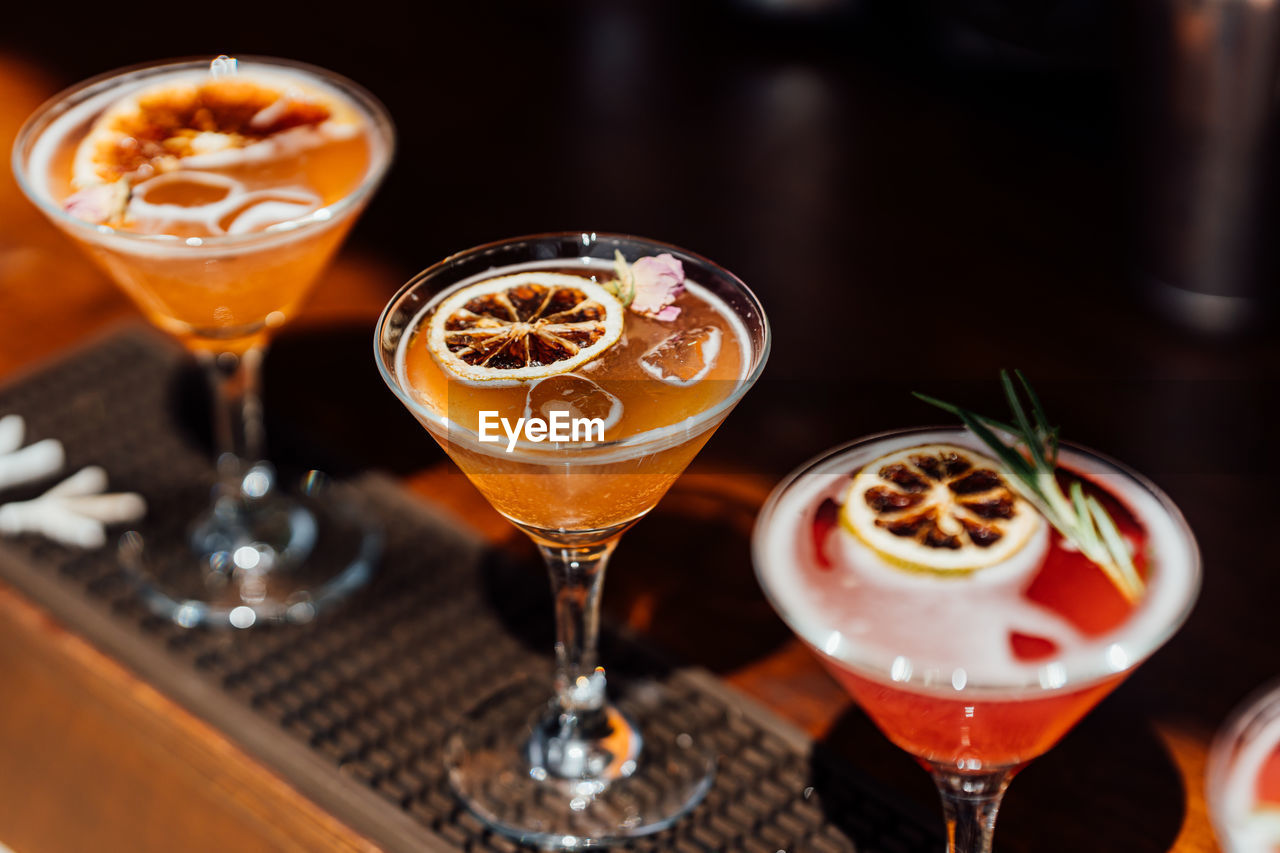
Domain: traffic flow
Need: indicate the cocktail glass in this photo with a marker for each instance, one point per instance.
(256, 554)
(919, 663)
(575, 771)
(1243, 777)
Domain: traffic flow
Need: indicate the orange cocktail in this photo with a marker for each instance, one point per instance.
(214, 199)
(655, 380)
(214, 193)
(572, 377)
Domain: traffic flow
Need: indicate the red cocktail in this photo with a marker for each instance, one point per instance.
(1244, 777)
(969, 628)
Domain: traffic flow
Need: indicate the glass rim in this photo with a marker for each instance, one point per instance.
(1075, 676)
(1226, 744)
(641, 439)
(58, 104)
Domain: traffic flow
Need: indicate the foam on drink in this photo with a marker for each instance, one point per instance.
(867, 611)
(213, 196)
(981, 669)
(303, 147)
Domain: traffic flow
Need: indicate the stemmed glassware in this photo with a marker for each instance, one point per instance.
(974, 672)
(574, 771)
(1243, 776)
(219, 252)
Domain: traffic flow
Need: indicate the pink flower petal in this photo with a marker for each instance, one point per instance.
(658, 282)
(98, 204)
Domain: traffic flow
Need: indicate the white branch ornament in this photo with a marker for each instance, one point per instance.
(76, 511)
(20, 464)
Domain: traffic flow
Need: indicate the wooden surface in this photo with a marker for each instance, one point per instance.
(902, 231)
(94, 759)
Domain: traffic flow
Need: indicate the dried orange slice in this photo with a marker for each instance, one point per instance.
(939, 508)
(162, 128)
(526, 326)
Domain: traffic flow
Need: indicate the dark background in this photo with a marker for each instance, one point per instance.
(919, 193)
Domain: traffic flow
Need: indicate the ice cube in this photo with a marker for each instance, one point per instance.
(685, 357)
(577, 395)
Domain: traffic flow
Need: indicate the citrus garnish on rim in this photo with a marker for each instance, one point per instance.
(526, 326)
(1031, 460)
(938, 508)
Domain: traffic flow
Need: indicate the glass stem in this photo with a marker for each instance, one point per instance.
(238, 433)
(577, 579)
(969, 804)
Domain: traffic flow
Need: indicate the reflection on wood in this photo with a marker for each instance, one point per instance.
(94, 759)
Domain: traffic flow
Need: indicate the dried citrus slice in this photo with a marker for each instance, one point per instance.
(524, 326)
(939, 508)
(216, 120)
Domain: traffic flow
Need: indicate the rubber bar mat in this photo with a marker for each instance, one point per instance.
(366, 694)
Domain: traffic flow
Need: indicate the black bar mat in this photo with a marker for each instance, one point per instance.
(365, 695)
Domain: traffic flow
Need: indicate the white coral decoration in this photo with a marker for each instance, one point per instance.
(74, 512)
(27, 464)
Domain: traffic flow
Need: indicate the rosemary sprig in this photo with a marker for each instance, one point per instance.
(1080, 518)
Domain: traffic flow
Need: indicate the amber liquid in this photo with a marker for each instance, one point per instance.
(225, 297)
(571, 488)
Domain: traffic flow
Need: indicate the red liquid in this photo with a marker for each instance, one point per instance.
(1268, 786)
(972, 733)
(1077, 589)
(965, 730)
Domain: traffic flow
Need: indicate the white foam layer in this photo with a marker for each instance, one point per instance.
(280, 146)
(909, 611)
(946, 633)
(239, 211)
(78, 119)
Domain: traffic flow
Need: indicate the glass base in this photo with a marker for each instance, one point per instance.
(499, 761)
(275, 558)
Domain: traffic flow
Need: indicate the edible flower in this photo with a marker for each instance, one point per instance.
(99, 203)
(650, 285)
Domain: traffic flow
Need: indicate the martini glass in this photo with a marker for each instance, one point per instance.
(575, 771)
(960, 671)
(1243, 780)
(255, 553)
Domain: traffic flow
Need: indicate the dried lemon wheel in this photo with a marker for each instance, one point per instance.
(524, 326)
(153, 131)
(938, 508)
